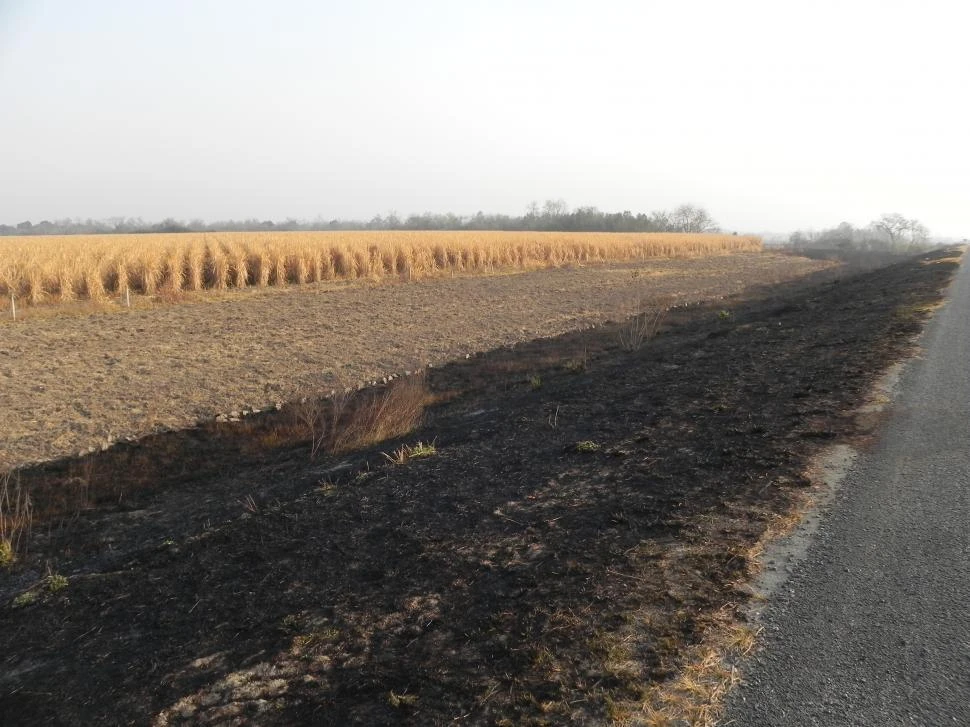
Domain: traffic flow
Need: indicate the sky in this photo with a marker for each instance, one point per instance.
(772, 115)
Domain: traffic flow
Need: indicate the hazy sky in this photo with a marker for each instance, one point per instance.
(774, 115)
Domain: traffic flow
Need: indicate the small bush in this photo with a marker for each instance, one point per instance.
(24, 599)
(55, 582)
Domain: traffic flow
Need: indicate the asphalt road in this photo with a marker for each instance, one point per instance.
(873, 627)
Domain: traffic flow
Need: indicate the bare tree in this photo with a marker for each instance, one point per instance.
(555, 208)
(918, 234)
(894, 226)
(660, 221)
(901, 231)
(688, 218)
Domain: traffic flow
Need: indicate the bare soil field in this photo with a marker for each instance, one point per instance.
(580, 533)
(73, 382)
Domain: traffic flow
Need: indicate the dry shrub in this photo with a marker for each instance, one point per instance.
(34, 287)
(262, 266)
(238, 265)
(392, 412)
(343, 263)
(117, 277)
(347, 421)
(314, 265)
(317, 418)
(327, 271)
(216, 266)
(175, 268)
(643, 325)
(16, 517)
(297, 270)
(361, 263)
(93, 282)
(148, 274)
(64, 285)
(195, 266)
(277, 267)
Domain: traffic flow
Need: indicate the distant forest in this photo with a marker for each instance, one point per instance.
(554, 215)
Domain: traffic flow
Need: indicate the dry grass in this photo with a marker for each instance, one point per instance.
(695, 696)
(918, 311)
(393, 412)
(952, 259)
(642, 325)
(62, 269)
(707, 670)
(405, 453)
(16, 518)
(348, 420)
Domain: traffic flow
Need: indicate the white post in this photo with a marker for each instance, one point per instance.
(128, 296)
(13, 306)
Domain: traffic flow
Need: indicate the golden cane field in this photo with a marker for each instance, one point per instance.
(60, 269)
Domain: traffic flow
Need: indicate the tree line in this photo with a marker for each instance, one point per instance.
(891, 232)
(553, 215)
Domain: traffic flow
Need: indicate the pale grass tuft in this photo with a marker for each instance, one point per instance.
(401, 700)
(405, 453)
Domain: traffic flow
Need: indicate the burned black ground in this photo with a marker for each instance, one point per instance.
(588, 510)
